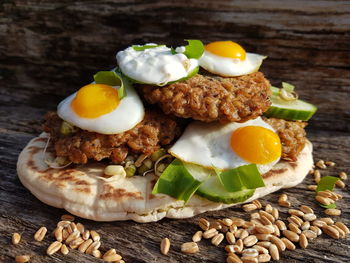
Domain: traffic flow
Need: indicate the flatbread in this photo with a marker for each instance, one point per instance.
(84, 191)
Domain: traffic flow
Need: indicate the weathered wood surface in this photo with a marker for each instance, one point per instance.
(50, 48)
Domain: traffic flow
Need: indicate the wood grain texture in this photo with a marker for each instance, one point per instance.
(50, 48)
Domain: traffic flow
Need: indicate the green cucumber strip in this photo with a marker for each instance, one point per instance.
(290, 110)
(288, 87)
(142, 48)
(327, 183)
(113, 79)
(194, 49)
(180, 180)
(213, 190)
(243, 177)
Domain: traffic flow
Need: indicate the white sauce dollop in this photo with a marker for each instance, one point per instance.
(155, 65)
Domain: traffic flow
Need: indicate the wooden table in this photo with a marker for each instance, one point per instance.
(48, 49)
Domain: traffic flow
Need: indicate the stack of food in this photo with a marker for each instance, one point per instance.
(170, 133)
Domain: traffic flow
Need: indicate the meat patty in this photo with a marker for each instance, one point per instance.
(212, 98)
(156, 130)
(292, 136)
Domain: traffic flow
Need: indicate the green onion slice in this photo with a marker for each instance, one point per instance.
(327, 183)
(113, 79)
(243, 177)
(180, 180)
(194, 49)
(288, 87)
(142, 48)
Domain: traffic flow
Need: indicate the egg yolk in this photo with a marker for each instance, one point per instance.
(95, 100)
(226, 49)
(256, 144)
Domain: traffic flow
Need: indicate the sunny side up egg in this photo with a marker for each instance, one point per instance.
(156, 65)
(229, 59)
(228, 146)
(97, 108)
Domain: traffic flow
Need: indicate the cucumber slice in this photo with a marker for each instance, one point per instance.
(213, 190)
(289, 110)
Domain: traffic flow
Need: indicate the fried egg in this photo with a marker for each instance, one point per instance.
(97, 108)
(156, 65)
(228, 146)
(229, 59)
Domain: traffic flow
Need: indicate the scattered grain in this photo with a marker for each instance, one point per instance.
(310, 234)
(227, 221)
(217, 239)
(72, 227)
(250, 241)
(332, 212)
(233, 258)
(16, 238)
(293, 227)
(40, 234)
(312, 187)
(343, 175)
(249, 207)
(306, 209)
(238, 221)
(248, 259)
(76, 243)
(83, 247)
(340, 184)
(331, 231)
(265, 244)
(341, 232)
(303, 241)
(72, 236)
(95, 236)
(203, 224)
(58, 233)
(327, 220)
(318, 223)
(320, 164)
(94, 245)
(97, 254)
(63, 223)
(316, 229)
(296, 220)
(275, 213)
(189, 247)
(264, 258)
(22, 259)
(239, 244)
(268, 229)
(210, 233)
(343, 227)
(277, 231)
(65, 234)
(278, 242)
(285, 203)
(274, 252)
(295, 212)
(317, 176)
(309, 217)
(86, 235)
(257, 203)
(64, 249)
(263, 237)
(80, 228)
(112, 257)
(53, 248)
(294, 237)
(198, 236)
(330, 163)
(289, 244)
(261, 249)
(230, 237)
(266, 214)
(281, 225)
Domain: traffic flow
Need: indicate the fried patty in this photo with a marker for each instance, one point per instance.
(155, 130)
(292, 136)
(213, 98)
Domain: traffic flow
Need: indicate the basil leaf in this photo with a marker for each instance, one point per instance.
(111, 78)
(242, 177)
(327, 183)
(142, 48)
(194, 49)
(180, 180)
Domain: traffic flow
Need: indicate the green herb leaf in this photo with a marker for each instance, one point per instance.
(288, 87)
(180, 180)
(243, 177)
(142, 48)
(194, 49)
(113, 79)
(327, 183)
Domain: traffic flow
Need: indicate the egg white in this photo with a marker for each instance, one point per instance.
(125, 116)
(208, 145)
(229, 67)
(155, 65)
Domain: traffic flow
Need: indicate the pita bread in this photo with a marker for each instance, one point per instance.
(83, 191)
